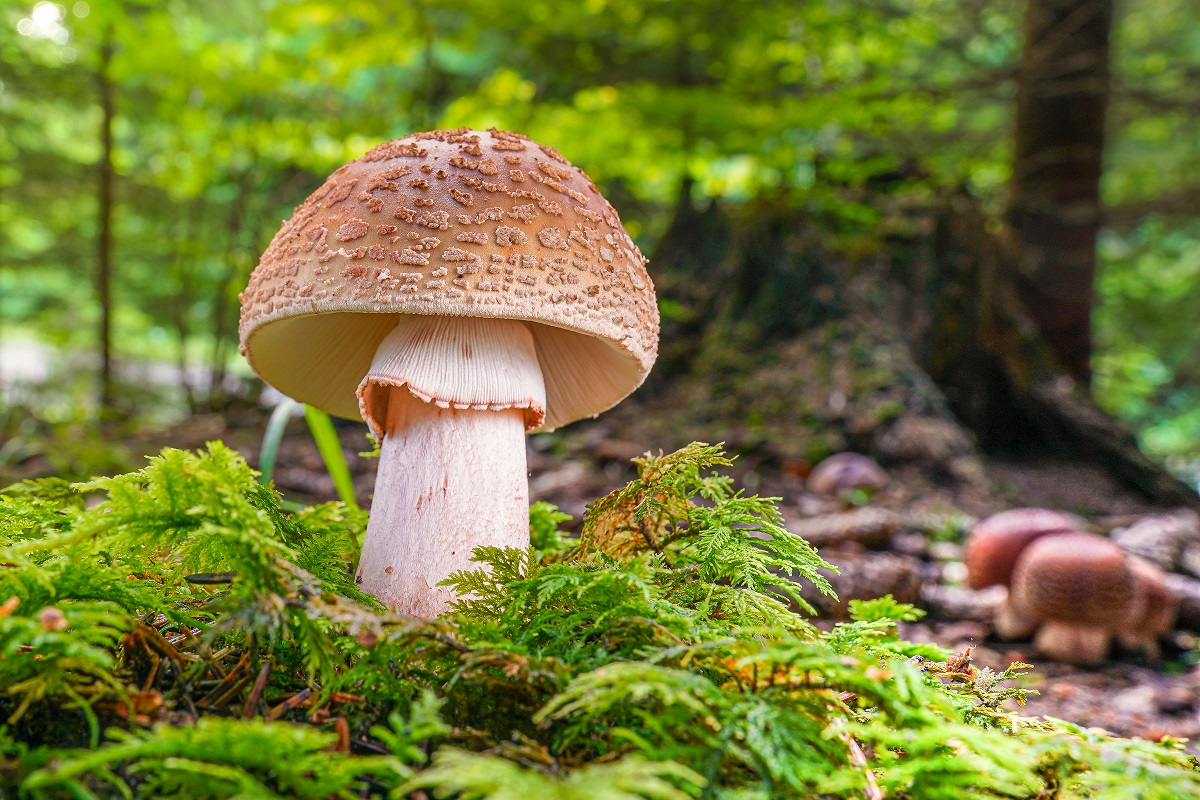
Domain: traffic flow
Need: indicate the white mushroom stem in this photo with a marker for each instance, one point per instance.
(449, 481)
(450, 400)
(1010, 622)
(1073, 643)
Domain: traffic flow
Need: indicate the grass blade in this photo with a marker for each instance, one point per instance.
(269, 454)
(330, 446)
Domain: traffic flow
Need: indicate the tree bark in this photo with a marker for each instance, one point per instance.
(187, 226)
(104, 241)
(1062, 97)
(225, 291)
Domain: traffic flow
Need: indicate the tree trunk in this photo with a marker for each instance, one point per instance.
(1062, 97)
(105, 223)
(182, 251)
(952, 295)
(1001, 375)
(225, 291)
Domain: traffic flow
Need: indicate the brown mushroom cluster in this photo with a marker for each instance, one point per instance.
(1074, 591)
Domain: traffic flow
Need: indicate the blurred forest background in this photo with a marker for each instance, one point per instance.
(1005, 190)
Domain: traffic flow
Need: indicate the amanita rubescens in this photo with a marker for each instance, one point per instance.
(1076, 590)
(456, 289)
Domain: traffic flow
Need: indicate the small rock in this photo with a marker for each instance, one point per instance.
(844, 472)
(954, 572)
(1175, 699)
(1189, 559)
(812, 505)
(987, 657)
(917, 632)
(1184, 640)
(872, 527)
(865, 576)
(910, 544)
(956, 634)
(558, 481)
(945, 551)
(1188, 591)
(1061, 691)
(1161, 538)
(1138, 700)
(957, 603)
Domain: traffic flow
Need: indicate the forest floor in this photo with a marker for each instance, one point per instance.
(905, 540)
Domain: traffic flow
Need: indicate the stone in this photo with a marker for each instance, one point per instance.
(1188, 591)
(865, 576)
(1162, 538)
(958, 603)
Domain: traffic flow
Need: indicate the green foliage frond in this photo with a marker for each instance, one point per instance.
(544, 533)
(227, 758)
(731, 538)
(471, 776)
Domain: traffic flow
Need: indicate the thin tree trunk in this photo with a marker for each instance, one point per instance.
(104, 241)
(226, 287)
(182, 255)
(1062, 98)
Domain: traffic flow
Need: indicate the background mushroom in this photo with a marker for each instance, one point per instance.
(1153, 609)
(455, 289)
(996, 543)
(1077, 589)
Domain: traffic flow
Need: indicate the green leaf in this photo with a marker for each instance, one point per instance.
(330, 446)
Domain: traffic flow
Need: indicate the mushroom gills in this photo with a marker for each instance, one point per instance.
(449, 399)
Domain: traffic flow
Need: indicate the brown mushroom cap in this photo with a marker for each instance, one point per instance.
(842, 472)
(997, 542)
(1154, 608)
(466, 223)
(1078, 578)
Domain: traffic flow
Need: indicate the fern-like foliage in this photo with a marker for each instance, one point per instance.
(224, 758)
(727, 538)
(185, 637)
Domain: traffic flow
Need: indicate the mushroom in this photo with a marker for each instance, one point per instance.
(455, 289)
(844, 472)
(996, 543)
(1077, 589)
(1153, 610)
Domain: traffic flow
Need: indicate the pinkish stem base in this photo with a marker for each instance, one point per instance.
(449, 481)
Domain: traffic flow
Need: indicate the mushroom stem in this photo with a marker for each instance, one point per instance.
(1073, 643)
(1010, 622)
(450, 400)
(449, 481)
